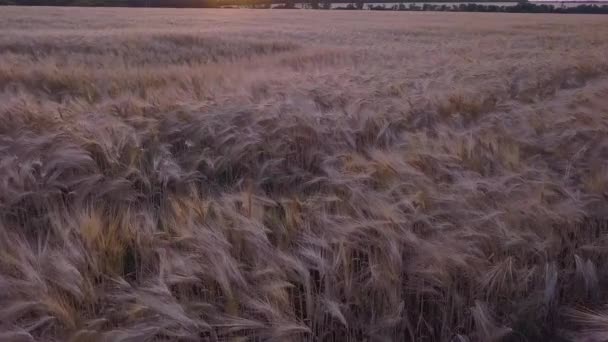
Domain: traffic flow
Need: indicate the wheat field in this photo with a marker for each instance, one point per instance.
(251, 175)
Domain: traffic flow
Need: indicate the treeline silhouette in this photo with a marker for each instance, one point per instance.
(520, 7)
(118, 3)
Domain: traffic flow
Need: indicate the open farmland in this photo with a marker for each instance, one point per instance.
(250, 175)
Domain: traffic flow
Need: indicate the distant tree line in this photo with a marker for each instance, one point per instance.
(117, 3)
(520, 7)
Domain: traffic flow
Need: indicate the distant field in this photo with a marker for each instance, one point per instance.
(249, 175)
